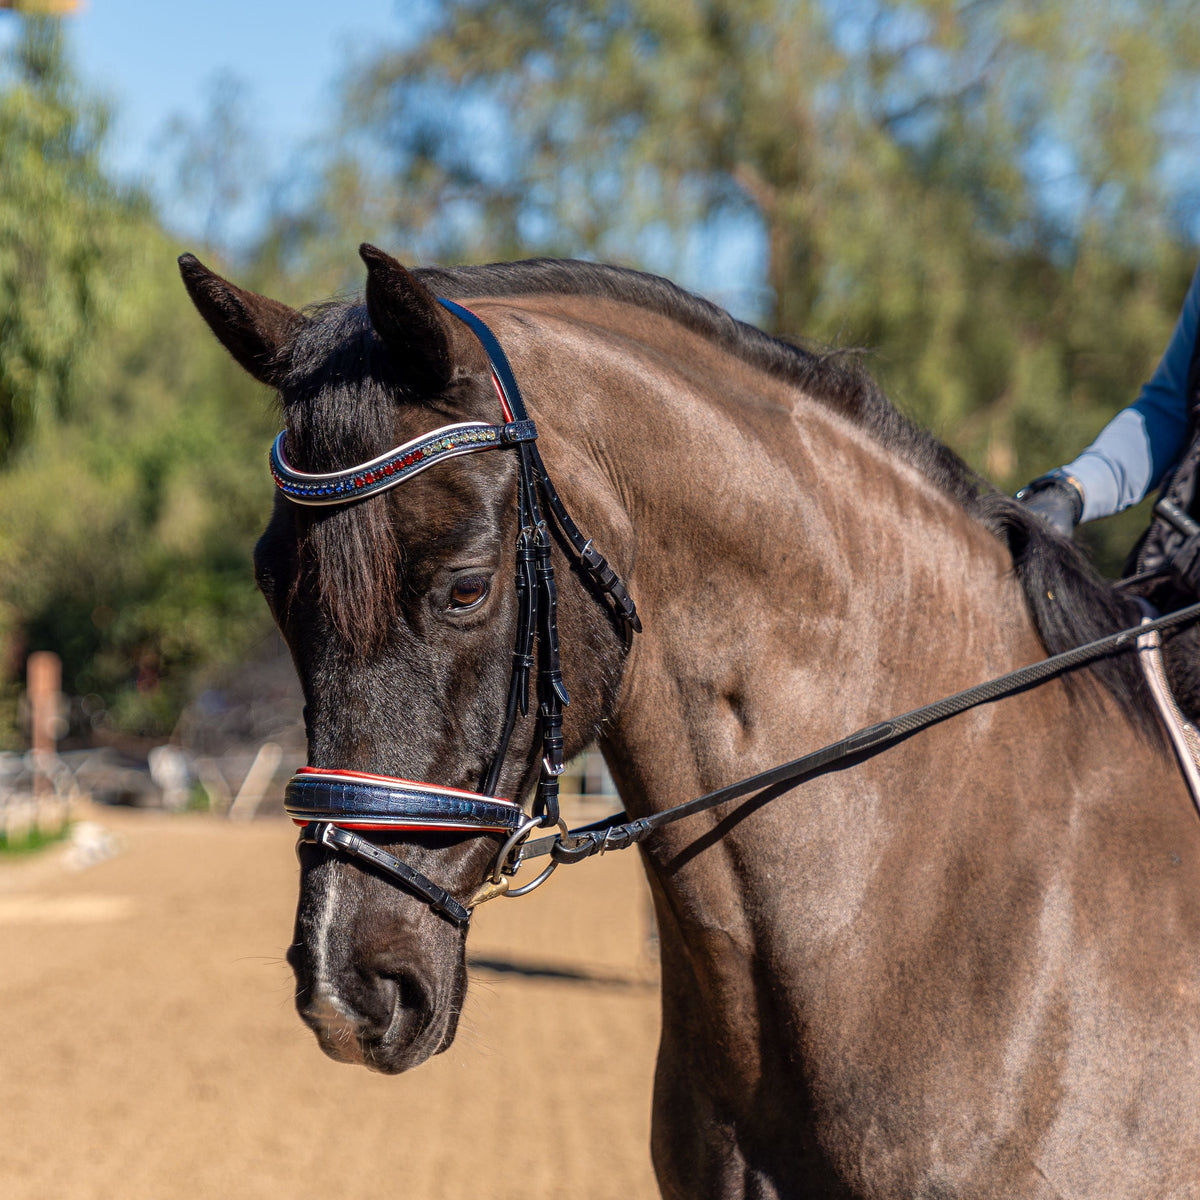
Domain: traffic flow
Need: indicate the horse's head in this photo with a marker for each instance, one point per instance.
(401, 613)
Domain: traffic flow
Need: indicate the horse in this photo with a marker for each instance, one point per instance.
(963, 967)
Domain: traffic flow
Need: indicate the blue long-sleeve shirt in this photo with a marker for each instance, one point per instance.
(1137, 448)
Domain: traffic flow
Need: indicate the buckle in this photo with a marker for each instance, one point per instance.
(516, 432)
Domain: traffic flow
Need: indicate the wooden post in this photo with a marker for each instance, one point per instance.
(43, 681)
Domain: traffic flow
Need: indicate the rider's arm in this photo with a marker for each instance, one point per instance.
(1137, 448)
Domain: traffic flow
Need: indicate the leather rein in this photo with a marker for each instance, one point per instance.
(332, 805)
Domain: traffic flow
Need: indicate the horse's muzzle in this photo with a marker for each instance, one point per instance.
(389, 1024)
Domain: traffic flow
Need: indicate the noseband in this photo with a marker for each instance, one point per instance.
(330, 805)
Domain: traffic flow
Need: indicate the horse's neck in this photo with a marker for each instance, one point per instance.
(799, 590)
(841, 950)
(797, 580)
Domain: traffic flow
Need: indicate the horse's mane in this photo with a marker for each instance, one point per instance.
(836, 377)
(1068, 602)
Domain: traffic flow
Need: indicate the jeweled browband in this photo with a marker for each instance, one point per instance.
(393, 466)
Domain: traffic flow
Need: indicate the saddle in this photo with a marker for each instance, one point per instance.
(1163, 569)
(1164, 565)
(1182, 733)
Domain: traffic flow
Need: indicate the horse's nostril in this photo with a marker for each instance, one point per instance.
(387, 991)
(409, 1006)
(297, 957)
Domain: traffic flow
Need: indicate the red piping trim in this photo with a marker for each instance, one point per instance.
(508, 413)
(432, 828)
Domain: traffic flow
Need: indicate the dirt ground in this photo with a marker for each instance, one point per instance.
(151, 1050)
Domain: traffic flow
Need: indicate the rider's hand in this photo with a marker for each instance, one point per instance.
(1056, 498)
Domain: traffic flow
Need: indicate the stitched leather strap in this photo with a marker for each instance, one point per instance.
(593, 561)
(348, 842)
(537, 592)
(377, 801)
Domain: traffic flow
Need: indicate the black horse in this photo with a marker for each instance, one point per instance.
(966, 967)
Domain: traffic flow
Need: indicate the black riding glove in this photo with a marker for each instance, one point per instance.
(1057, 498)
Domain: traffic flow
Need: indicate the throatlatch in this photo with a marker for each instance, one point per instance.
(331, 804)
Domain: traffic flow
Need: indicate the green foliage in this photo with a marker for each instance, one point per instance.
(976, 191)
(972, 190)
(128, 529)
(31, 841)
(134, 482)
(59, 225)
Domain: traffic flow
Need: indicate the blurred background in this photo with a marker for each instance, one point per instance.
(997, 200)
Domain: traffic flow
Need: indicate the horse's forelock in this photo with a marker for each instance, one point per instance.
(340, 391)
(339, 410)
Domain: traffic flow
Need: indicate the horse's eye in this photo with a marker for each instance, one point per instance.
(469, 591)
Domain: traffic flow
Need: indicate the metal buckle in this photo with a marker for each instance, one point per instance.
(501, 865)
(498, 883)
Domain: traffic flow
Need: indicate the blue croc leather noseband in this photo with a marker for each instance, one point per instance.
(331, 805)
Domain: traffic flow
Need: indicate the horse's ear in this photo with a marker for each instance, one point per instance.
(410, 322)
(253, 328)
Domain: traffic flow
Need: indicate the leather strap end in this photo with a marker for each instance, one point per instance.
(516, 432)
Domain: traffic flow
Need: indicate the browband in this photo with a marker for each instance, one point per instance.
(393, 466)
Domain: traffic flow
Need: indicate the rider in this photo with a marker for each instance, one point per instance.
(1155, 438)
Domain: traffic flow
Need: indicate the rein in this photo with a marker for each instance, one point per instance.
(617, 833)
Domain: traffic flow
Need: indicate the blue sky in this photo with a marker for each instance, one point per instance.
(155, 61)
(158, 59)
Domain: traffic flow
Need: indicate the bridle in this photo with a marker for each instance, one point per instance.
(331, 805)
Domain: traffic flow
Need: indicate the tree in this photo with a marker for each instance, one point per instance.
(217, 160)
(132, 478)
(58, 215)
(973, 189)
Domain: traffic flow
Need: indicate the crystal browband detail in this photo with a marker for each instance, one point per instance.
(393, 466)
